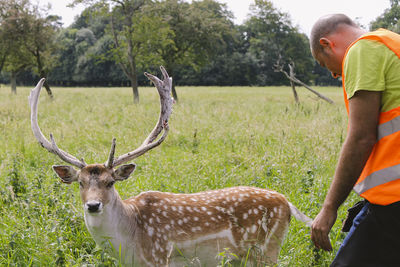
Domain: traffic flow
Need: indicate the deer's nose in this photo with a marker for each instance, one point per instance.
(93, 206)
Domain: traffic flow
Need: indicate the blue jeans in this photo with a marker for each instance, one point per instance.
(373, 240)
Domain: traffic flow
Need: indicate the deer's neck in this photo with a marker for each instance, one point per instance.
(114, 228)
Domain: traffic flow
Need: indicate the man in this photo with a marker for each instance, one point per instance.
(369, 162)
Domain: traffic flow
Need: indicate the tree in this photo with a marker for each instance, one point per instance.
(15, 58)
(40, 36)
(389, 19)
(138, 35)
(270, 35)
(199, 29)
(28, 39)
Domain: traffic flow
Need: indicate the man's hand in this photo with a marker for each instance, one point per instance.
(321, 227)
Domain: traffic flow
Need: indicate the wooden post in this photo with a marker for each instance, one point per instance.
(291, 72)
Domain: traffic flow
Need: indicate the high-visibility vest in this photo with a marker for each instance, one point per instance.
(379, 181)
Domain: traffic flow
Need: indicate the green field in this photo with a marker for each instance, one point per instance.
(219, 137)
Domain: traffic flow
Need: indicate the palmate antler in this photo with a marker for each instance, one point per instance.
(166, 102)
(164, 89)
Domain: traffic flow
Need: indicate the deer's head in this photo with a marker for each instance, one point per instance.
(96, 181)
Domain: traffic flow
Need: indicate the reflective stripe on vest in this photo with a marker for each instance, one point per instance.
(379, 181)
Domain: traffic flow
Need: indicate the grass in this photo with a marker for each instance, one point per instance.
(219, 137)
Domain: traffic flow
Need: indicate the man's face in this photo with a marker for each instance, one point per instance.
(330, 60)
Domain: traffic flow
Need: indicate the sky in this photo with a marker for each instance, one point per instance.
(303, 13)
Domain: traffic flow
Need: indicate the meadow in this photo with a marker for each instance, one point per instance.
(219, 137)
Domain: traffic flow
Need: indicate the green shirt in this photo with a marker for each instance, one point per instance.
(372, 66)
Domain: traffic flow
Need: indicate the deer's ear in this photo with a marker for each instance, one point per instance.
(123, 172)
(67, 173)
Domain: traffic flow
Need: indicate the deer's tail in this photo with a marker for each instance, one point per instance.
(299, 215)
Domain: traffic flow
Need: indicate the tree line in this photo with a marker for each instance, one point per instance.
(112, 42)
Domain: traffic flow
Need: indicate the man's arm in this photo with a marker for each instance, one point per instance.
(364, 109)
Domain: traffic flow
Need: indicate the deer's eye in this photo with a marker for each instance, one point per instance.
(80, 184)
(110, 184)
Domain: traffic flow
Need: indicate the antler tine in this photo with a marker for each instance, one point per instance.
(110, 160)
(49, 146)
(164, 90)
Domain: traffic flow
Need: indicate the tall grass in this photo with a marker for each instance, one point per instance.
(219, 137)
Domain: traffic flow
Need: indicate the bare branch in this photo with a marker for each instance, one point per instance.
(278, 67)
(110, 160)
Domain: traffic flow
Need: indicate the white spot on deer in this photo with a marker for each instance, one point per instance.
(203, 208)
(150, 231)
(254, 228)
(245, 235)
(180, 222)
(245, 215)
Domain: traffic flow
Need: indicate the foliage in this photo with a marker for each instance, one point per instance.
(270, 35)
(84, 53)
(219, 137)
(112, 42)
(27, 34)
(14, 20)
(390, 19)
(198, 30)
(137, 35)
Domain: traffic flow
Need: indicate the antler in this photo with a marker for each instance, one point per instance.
(50, 146)
(164, 90)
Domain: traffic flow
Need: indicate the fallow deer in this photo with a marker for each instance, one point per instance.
(168, 229)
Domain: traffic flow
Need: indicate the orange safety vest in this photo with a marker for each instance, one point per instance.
(379, 181)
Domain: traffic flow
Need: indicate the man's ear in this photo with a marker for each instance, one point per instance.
(123, 172)
(67, 173)
(325, 42)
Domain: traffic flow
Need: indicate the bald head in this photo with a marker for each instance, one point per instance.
(326, 25)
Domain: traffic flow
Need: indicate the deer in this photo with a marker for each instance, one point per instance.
(170, 229)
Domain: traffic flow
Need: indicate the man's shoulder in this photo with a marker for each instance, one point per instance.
(369, 46)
